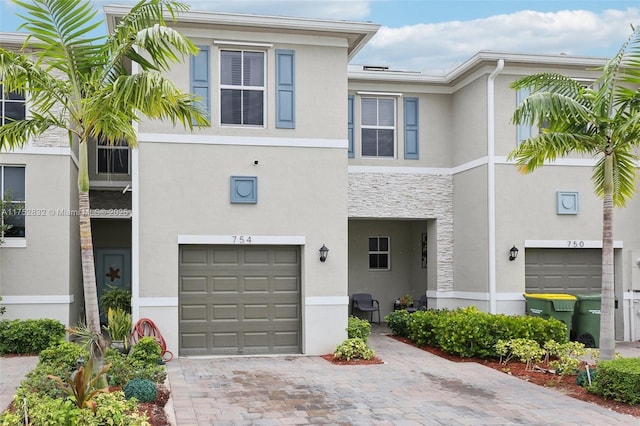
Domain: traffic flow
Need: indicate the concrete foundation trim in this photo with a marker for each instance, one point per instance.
(64, 299)
(326, 300)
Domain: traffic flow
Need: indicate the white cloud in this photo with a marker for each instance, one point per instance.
(439, 46)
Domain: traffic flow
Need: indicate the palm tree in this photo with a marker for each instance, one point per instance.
(82, 85)
(601, 120)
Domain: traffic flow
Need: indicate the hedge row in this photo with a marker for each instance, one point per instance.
(468, 332)
(29, 336)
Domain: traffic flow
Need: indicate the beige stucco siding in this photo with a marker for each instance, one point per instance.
(48, 265)
(469, 115)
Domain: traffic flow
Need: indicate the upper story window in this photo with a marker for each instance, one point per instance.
(113, 159)
(378, 123)
(379, 253)
(12, 192)
(242, 87)
(12, 106)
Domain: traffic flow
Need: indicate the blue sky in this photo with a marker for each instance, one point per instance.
(435, 35)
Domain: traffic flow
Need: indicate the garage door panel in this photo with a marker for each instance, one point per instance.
(563, 270)
(251, 304)
(193, 313)
(194, 256)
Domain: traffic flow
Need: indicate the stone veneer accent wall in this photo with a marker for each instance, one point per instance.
(409, 196)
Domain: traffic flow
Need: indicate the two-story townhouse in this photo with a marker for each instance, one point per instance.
(444, 173)
(402, 175)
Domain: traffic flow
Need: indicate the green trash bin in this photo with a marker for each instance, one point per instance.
(551, 305)
(586, 319)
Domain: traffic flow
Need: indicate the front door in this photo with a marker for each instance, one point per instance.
(113, 269)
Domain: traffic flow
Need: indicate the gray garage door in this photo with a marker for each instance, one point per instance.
(239, 300)
(563, 270)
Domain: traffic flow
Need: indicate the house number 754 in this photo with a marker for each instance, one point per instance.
(241, 239)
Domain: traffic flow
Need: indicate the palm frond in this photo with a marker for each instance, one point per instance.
(16, 134)
(532, 153)
(625, 175)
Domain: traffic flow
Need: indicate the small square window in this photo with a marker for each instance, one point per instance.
(244, 189)
(379, 253)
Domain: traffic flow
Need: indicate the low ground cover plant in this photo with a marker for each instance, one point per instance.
(61, 391)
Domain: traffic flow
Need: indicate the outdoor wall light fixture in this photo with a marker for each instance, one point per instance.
(323, 253)
(513, 253)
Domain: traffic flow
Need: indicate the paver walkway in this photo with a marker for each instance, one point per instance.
(413, 387)
(12, 371)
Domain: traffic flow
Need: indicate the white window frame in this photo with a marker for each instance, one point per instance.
(242, 87)
(4, 101)
(113, 149)
(379, 252)
(378, 126)
(19, 204)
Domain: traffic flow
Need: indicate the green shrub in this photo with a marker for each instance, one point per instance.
(525, 350)
(124, 369)
(618, 379)
(112, 409)
(147, 351)
(142, 390)
(29, 336)
(353, 349)
(357, 327)
(2, 308)
(468, 332)
(62, 354)
(116, 298)
(398, 322)
(422, 326)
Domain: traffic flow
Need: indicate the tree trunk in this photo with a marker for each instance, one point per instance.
(607, 329)
(92, 311)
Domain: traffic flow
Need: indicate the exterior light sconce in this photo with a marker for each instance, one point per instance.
(323, 253)
(513, 253)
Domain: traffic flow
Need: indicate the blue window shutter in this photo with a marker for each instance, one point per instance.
(201, 77)
(285, 89)
(411, 140)
(351, 143)
(524, 131)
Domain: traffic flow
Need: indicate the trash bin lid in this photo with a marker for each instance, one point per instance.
(590, 296)
(550, 296)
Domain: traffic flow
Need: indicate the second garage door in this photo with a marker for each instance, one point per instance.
(563, 270)
(239, 300)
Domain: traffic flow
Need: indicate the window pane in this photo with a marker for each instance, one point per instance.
(231, 106)
(373, 244)
(14, 183)
(369, 142)
(386, 112)
(369, 112)
(120, 161)
(253, 69)
(373, 261)
(252, 108)
(17, 224)
(383, 261)
(231, 68)
(14, 96)
(384, 244)
(385, 143)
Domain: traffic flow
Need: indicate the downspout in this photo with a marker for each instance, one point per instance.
(135, 225)
(491, 180)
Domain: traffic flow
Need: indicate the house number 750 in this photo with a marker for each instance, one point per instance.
(241, 239)
(575, 244)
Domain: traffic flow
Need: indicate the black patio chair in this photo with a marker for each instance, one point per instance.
(364, 302)
(421, 306)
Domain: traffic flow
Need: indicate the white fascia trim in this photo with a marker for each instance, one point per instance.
(29, 149)
(576, 162)
(326, 301)
(242, 141)
(470, 295)
(569, 244)
(38, 300)
(158, 302)
(397, 95)
(120, 184)
(400, 170)
(298, 240)
(14, 243)
(242, 43)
